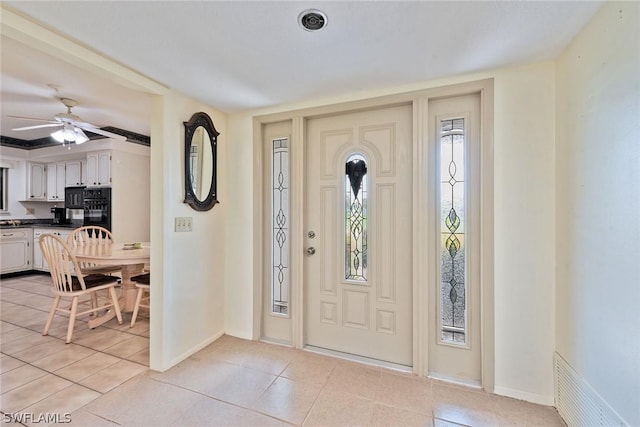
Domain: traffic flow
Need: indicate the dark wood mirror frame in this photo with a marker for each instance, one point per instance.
(197, 120)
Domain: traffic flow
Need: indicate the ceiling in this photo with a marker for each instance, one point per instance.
(242, 55)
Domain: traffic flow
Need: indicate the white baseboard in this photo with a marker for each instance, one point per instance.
(193, 350)
(577, 402)
(540, 399)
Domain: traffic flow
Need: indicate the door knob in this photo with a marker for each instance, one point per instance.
(311, 250)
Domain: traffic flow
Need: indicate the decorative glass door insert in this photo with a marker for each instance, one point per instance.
(280, 226)
(453, 283)
(355, 207)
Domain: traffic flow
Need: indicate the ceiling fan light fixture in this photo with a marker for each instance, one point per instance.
(81, 137)
(58, 135)
(71, 134)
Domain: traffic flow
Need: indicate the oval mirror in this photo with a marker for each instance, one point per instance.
(200, 162)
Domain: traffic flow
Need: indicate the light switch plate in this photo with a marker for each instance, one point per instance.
(183, 223)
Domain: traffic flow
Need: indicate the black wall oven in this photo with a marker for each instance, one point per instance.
(97, 207)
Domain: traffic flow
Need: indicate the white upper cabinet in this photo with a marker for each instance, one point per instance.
(83, 172)
(73, 175)
(37, 182)
(56, 181)
(99, 169)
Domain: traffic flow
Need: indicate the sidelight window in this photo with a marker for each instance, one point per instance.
(280, 226)
(453, 259)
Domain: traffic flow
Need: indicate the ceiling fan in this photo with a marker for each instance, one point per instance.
(72, 127)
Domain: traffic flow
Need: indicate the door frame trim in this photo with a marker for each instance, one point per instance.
(419, 101)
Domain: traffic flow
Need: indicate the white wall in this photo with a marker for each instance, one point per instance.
(524, 232)
(598, 206)
(188, 289)
(524, 224)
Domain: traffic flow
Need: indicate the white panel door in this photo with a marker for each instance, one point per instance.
(454, 288)
(358, 221)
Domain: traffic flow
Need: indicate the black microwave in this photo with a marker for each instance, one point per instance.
(74, 197)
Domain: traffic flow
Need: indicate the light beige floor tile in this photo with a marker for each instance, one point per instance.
(15, 333)
(29, 299)
(196, 375)
(32, 392)
(337, 408)
(288, 400)
(310, 367)
(27, 318)
(99, 338)
(82, 418)
(65, 401)
(513, 412)
(129, 346)
(243, 388)
(4, 326)
(19, 377)
(234, 351)
(16, 346)
(141, 357)
(86, 367)
(8, 363)
(401, 391)
(388, 416)
(50, 346)
(354, 378)
(437, 422)
(463, 405)
(269, 358)
(70, 354)
(155, 403)
(209, 412)
(112, 376)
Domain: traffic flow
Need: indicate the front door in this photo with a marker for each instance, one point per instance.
(358, 225)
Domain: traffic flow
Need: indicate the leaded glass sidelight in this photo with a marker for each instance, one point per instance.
(355, 210)
(452, 232)
(280, 226)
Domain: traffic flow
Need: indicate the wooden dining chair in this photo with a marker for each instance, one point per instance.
(143, 284)
(70, 282)
(92, 235)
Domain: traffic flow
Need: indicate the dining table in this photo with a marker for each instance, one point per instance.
(130, 258)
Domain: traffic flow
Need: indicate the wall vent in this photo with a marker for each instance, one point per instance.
(577, 402)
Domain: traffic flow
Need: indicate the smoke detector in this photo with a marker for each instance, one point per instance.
(312, 20)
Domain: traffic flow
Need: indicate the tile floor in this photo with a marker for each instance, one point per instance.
(102, 379)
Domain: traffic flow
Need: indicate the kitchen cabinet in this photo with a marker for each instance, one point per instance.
(99, 169)
(56, 181)
(38, 260)
(73, 174)
(37, 181)
(83, 172)
(16, 250)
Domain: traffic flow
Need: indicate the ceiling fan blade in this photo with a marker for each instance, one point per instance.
(93, 129)
(34, 119)
(48, 125)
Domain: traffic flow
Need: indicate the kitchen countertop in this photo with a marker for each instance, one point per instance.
(36, 223)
